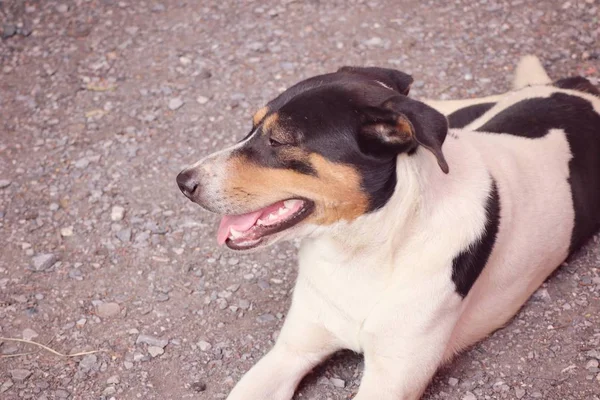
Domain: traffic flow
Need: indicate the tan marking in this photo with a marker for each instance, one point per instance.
(270, 122)
(336, 190)
(259, 115)
(405, 129)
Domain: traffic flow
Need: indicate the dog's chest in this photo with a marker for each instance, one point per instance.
(343, 293)
(360, 294)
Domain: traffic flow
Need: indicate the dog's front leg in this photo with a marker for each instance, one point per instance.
(302, 344)
(404, 346)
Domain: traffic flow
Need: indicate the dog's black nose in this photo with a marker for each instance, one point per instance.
(187, 182)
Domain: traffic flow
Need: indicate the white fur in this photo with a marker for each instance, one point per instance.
(381, 285)
(530, 72)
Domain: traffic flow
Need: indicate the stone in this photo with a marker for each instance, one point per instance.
(117, 213)
(107, 310)
(155, 351)
(452, 381)
(62, 8)
(266, 318)
(76, 274)
(204, 346)
(519, 392)
(198, 386)
(88, 363)
(20, 375)
(542, 295)
(66, 231)
(42, 262)
(202, 99)
(6, 385)
(109, 391)
(29, 334)
(338, 383)
(113, 380)
(8, 31)
(82, 163)
(128, 364)
(469, 396)
(124, 235)
(175, 104)
(151, 341)
(244, 304)
(4, 183)
(592, 364)
(374, 42)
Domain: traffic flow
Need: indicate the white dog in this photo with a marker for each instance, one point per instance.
(418, 240)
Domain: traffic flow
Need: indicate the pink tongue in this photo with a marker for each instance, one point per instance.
(240, 223)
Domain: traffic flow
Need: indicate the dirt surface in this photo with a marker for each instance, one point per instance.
(101, 104)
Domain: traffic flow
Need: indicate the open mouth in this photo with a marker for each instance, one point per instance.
(243, 232)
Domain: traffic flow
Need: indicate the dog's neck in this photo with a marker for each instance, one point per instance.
(425, 202)
(412, 198)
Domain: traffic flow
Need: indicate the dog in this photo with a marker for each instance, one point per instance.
(425, 225)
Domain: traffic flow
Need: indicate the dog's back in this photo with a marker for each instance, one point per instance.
(541, 144)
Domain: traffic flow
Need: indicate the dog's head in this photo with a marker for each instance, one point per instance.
(323, 151)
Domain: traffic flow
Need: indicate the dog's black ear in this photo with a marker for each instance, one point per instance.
(396, 80)
(400, 124)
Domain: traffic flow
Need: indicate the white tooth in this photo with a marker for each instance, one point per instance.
(271, 217)
(289, 203)
(235, 234)
(260, 222)
(282, 211)
(292, 203)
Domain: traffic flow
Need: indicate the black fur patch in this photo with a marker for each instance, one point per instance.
(467, 266)
(578, 83)
(464, 116)
(533, 118)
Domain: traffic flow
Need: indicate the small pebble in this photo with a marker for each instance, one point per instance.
(175, 104)
(42, 262)
(110, 390)
(8, 30)
(19, 375)
(592, 364)
(29, 334)
(107, 310)
(66, 231)
(117, 213)
(338, 383)
(151, 341)
(469, 396)
(204, 346)
(4, 183)
(198, 386)
(124, 235)
(155, 351)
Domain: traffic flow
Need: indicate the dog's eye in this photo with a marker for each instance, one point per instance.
(274, 142)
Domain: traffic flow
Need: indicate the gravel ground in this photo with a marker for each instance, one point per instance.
(101, 104)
